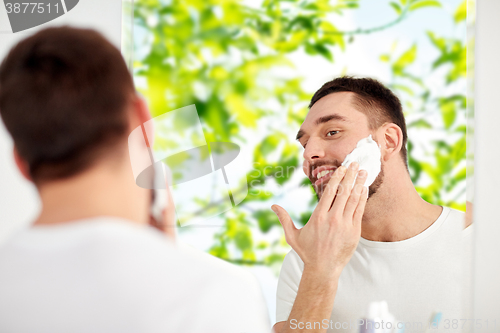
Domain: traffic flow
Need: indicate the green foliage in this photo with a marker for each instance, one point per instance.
(228, 59)
(424, 3)
(404, 60)
(447, 172)
(453, 53)
(397, 7)
(461, 12)
(412, 5)
(266, 219)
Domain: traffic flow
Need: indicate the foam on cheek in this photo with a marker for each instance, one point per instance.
(367, 154)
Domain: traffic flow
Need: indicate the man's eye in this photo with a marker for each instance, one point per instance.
(330, 133)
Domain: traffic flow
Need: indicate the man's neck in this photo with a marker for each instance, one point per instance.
(106, 189)
(396, 211)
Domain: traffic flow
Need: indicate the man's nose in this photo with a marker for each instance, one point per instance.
(314, 150)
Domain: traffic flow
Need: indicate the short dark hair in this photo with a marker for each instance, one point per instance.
(64, 94)
(373, 99)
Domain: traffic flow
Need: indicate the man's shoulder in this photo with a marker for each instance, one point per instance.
(216, 267)
(454, 212)
(458, 218)
(111, 242)
(292, 257)
(123, 251)
(137, 268)
(96, 232)
(224, 285)
(292, 264)
(155, 252)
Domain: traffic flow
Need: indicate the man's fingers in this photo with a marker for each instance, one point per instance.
(353, 200)
(358, 213)
(331, 190)
(286, 222)
(345, 189)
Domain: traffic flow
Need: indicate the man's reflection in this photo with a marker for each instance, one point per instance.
(406, 253)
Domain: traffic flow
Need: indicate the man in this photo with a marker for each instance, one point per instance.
(407, 252)
(90, 262)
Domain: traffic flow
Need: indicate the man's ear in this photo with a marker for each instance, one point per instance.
(392, 141)
(22, 166)
(138, 115)
(139, 112)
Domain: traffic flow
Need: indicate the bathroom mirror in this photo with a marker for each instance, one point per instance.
(251, 75)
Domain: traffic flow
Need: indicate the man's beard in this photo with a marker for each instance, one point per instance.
(372, 189)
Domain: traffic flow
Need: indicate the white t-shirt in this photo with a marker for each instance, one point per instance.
(419, 276)
(110, 275)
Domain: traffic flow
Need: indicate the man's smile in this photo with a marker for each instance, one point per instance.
(322, 174)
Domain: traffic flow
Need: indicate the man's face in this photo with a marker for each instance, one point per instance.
(331, 130)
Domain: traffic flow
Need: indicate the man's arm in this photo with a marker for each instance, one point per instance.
(314, 302)
(325, 245)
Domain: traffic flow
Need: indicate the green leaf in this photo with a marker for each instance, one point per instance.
(319, 49)
(448, 112)
(262, 245)
(406, 58)
(243, 238)
(266, 219)
(461, 12)
(304, 218)
(302, 23)
(461, 129)
(440, 43)
(461, 175)
(459, 150)
(444, 165)
(396, 7)
(385, 58)
(424, 3)
(415, 166)
(219, 251)
(269, 144)
(442, 145)
(404, 88)
(275, 258)
(421, 123)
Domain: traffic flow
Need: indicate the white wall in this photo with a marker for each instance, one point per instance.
(487, 159)
(18, 199)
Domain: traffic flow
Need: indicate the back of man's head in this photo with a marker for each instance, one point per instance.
(64, 94)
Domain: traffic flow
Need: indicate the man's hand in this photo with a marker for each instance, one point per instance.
(167, 223)
(327, 242)
(325, 245)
